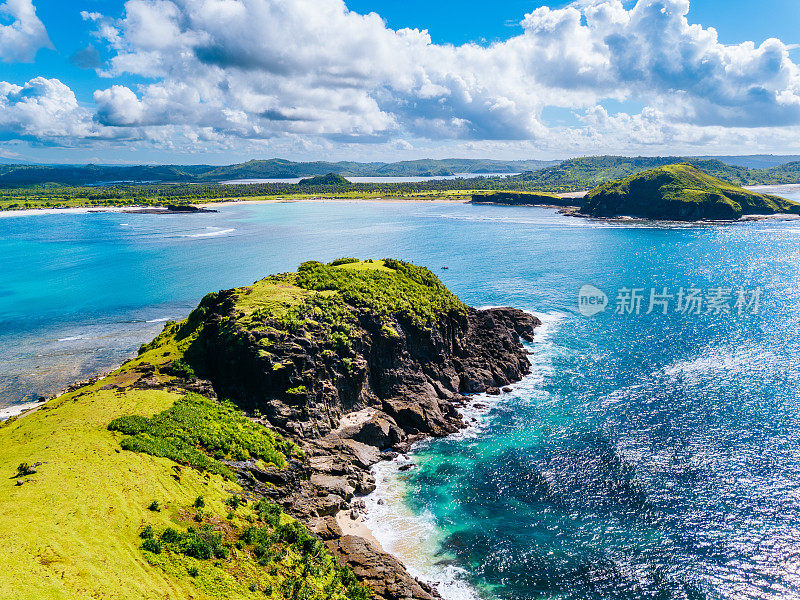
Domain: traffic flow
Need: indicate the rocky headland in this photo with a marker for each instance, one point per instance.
(342, 365)
(680, 192)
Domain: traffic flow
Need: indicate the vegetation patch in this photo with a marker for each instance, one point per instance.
(258, 549)
(199, 432)
(521, 199)
(388, 288)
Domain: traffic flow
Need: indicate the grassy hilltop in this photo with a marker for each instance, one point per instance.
(125, 487)
(680, 192)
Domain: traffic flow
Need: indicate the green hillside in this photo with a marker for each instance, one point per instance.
(589, 172)
(680, 192)
(125, 488)
(329, 179)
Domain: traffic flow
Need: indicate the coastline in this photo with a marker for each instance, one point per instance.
(143, 208)
(398, 405)
(388, 522)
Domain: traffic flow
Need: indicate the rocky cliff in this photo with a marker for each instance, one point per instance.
(240, 429)
(399, 378)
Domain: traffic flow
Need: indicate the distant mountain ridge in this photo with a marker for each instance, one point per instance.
(535, 175)
(17, 175)
(589, 172)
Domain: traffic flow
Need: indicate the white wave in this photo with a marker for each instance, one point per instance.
(71, 338)
(414, 538)
(206, 234)
(16, 409)
(159, 320)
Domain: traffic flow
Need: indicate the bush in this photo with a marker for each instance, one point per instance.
(25, 469)
(195, 428)
(193, 571)
(343, 261)
(181, 368)
(200, 502)
(147, 533)
(154, 506)
(234, 502)
(152, 545)
(170, 536)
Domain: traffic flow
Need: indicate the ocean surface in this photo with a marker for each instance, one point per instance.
(647, 456)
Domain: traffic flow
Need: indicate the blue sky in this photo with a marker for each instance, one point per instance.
(227, 80)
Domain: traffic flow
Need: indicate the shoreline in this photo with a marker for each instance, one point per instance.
(144, 208)
(386, 521)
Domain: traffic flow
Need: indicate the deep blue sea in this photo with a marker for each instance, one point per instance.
(648, 456)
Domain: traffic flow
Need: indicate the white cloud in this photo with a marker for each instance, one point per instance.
(42, 109)
(240, 71)
(21, 39)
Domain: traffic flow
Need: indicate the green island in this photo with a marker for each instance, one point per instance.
(43, 186)
(140, 483)
(680, 192)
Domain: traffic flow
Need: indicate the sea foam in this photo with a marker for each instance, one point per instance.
(414, 538)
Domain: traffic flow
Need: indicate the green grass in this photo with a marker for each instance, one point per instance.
(77, 529)
(73, 531)
(199, 432)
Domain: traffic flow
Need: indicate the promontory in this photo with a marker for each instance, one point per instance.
(216, 462)
(680, 192)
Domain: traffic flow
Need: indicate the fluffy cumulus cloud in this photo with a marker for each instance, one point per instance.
(42, 109)
(227, 70)
(24, 34)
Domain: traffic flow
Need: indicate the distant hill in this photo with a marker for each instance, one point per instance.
(329, 179)
(755, 161)
(680, 192)
(591, 171)
(20, 175)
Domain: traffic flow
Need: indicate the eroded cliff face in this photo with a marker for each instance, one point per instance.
(411, 374)
(395, 383)
(354, 361)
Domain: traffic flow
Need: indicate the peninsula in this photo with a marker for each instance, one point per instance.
(216, 462)
(680, 192)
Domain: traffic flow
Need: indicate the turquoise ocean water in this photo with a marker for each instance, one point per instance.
(649, 456)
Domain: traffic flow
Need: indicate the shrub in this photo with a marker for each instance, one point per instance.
(234, 502)
(200, 502)
(154, 506)
(343, 261)
(193, 571)
(195, 428)
(25, 469)
(183, 369)
(152, 545)
(147, 533)
(170, 536)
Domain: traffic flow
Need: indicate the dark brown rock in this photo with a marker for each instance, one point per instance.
(384, 574)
